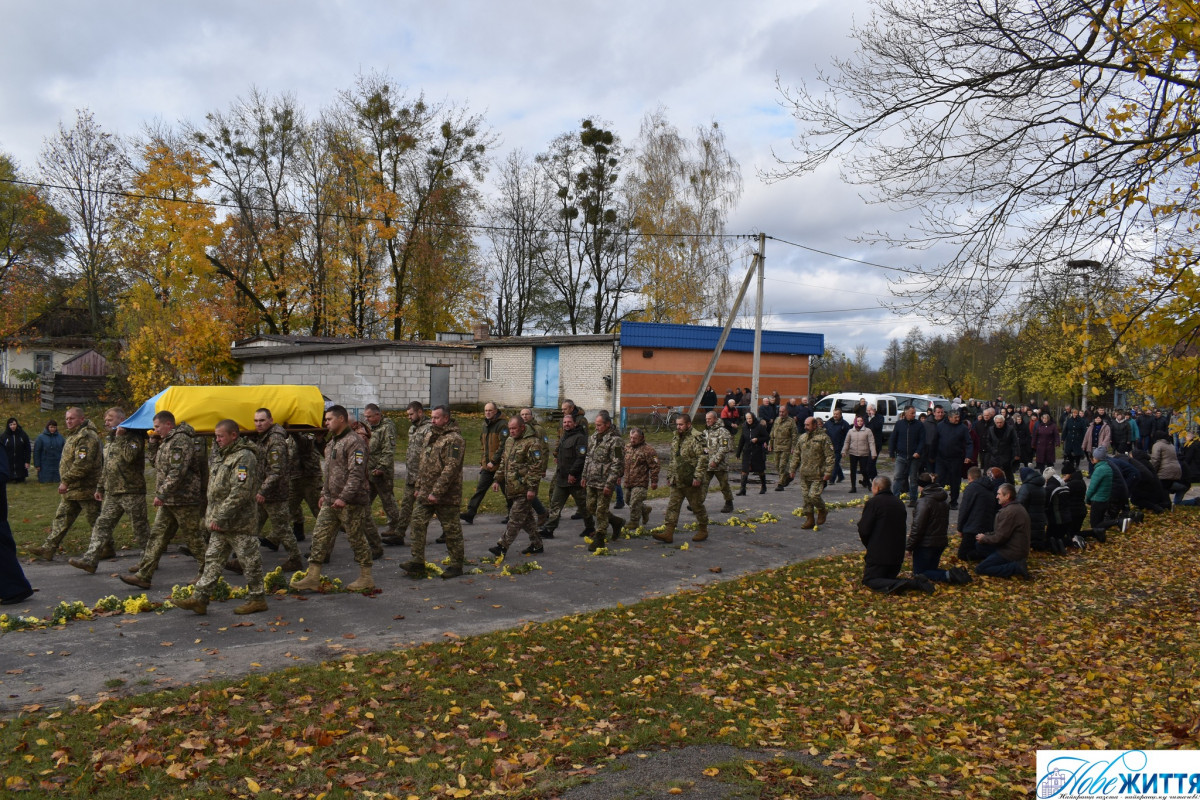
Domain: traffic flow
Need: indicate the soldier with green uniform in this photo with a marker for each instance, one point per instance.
(602, 473)
(344, 499)
(177, 467)
(783, 439)
(813, 456)
(718, 444)
(418, 432)
(304, 477)
(122, 489)
(491, 448)
(80, 469)
(568, 477)
(439, 493)
(518, 476)
(232, 519)
(531, 422)
(273, 494)
(641, 475)
(381, 467)
(684, 474)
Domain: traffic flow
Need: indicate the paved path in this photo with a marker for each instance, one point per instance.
(134, 653)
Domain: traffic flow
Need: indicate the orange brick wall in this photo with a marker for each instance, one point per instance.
(670, 377)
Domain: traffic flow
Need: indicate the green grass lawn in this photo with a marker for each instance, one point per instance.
(920, 696)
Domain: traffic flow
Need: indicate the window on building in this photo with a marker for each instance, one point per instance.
(43, 363)
(487, 369)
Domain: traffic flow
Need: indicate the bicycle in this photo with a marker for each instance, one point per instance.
(662, 417)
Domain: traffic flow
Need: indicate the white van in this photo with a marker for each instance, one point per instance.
(885, 404)
(923, 403)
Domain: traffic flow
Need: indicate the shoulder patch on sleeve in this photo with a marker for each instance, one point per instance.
(242, 474)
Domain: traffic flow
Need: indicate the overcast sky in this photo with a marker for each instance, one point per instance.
(534, 70)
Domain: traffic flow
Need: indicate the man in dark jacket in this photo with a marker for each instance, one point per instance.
(953, 442)
(1072, 435)
(568, 476)
(491, 447)
(836, 429)
(929, 535)
(908, 448)
(931, 422)
(1032, 495)
(1003, 448)
(882, 531)
(976, 513)
(1011, 538)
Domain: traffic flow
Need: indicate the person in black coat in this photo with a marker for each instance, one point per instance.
(1003, 448)
(951, 452)
(1032, 495)
(930, 533)
(882, 530)
(836, 429)
(19, 450)
(1149, 493)
(976, 513)
(14, 586)
(752, 449)
(709, 401)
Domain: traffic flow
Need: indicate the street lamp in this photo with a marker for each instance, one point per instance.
(1085, 264)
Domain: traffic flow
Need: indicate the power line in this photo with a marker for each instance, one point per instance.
(847, 258)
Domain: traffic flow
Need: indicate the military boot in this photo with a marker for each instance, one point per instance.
(667, 534)
(108, 552)
(364, 581)
(701, 534)
(727, 508)
(616, 523)
(452, 571)
(79, 563)
(252, 606)
(192, 604)
(311, 580)
(45, 553)
(808, 523)
(821, 514)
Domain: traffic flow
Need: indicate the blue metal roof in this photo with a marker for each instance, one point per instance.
(704, 337)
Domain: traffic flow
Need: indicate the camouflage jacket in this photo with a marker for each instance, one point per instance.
(178, 467)
(417, 433)
(783, 434)
(381, 450)
(520, 469)
(82, 462)
(346, 470)
(813, 455)
(687, 457)
(442, 466)
(570, 454)
(605, 460)
(641, 465)
(491, 441)
(272, 448)
(718, 444)
(124, 464)
(545, 445)
(232, 483)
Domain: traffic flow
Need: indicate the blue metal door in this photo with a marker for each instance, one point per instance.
(545, 377)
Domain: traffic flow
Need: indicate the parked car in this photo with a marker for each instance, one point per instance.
(923, 403)
(885, 404)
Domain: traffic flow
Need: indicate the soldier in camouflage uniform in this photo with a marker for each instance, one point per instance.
(418, 432)
(813, 457)
(177, 466)
(602, 473)
(304, 477)
(568, 474)
(273, 494)
(783, 439)
(683, 473)
(518, 476)
(381, 467)
(641, 474)
(232, 518)
(344, 499)
(80, 468)
(531, 422)
(718, 444)
(122, 489)
(439, 493)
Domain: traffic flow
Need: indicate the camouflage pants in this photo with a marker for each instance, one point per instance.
(354, 520)
(812, 489)
(303, 490)
(520, 518)
(384, 486)
(184, 520)
(598, 509)
(695, 497)
(722, 477)
(64, 518)
(447, 515)
(639, 510)
(220, 545)
(114, 507)
(408, 501)
(280, 515)
(782, 457)
(558, 500)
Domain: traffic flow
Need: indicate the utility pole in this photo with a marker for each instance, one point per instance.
(762, 256)
(1085, 264)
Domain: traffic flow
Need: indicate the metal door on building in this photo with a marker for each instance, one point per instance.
(545, 377)
(439, 386)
